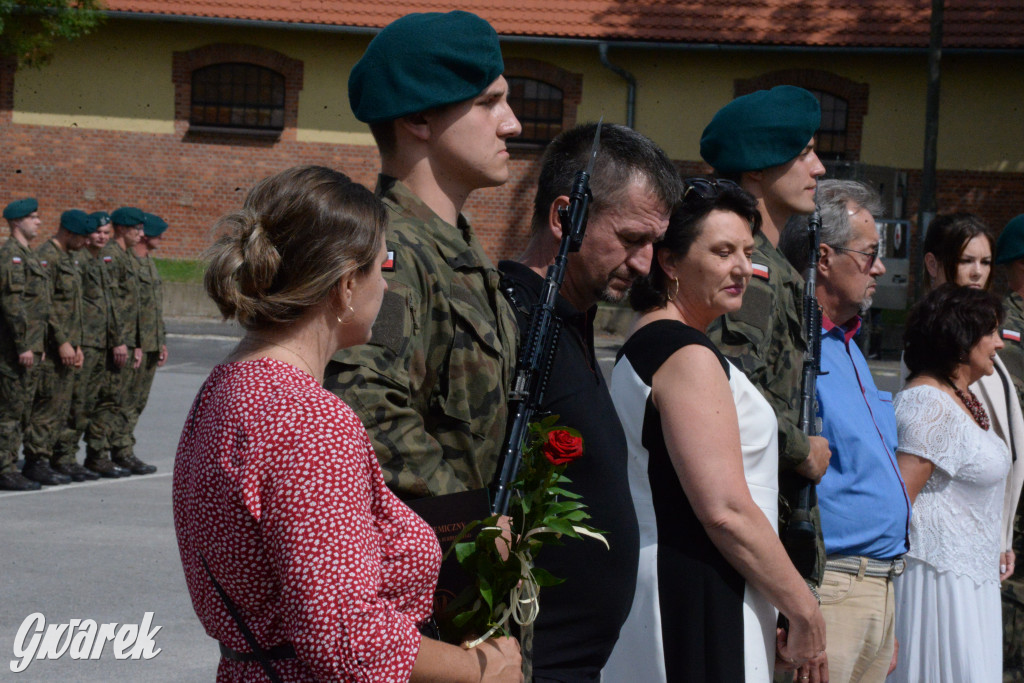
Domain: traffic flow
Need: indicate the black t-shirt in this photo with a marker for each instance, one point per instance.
(580, 619)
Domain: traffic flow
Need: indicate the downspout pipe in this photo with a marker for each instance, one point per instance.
(602, 49)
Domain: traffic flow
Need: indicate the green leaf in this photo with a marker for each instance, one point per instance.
(486, 593)
(545, 578)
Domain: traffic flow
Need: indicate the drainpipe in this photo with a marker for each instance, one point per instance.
(630, 81)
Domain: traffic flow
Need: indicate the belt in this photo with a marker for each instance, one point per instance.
(282, 651)
(865, 566)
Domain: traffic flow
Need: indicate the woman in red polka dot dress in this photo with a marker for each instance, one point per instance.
(276, 486)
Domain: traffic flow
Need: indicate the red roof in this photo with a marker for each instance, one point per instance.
(991, 24)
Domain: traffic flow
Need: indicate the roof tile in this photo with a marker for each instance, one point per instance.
(839, 23)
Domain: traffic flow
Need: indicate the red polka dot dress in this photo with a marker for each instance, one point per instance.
(277, 485)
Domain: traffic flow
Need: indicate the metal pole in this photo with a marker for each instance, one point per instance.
(928, 205)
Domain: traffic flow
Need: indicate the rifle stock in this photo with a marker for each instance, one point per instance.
(538, 353)
(799, 536)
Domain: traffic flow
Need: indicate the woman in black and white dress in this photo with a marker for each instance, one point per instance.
(703, 464)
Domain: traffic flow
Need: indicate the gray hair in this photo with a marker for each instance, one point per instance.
(832, 199)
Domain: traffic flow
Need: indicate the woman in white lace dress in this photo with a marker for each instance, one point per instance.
(955, 467)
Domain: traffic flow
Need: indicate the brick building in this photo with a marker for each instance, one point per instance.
(179, 106)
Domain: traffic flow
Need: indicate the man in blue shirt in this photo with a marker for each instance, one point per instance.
(864, 505)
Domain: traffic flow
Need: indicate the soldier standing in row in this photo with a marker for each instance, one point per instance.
(98, 322)
(151, 324)
(126, 354)
(431, 384)
(48, 421)
(24, 308)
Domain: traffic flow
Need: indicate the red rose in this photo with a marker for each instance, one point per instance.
(562, 447)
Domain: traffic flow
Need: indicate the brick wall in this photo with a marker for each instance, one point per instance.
(192, 180)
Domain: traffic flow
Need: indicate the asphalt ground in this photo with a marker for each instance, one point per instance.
(106, 550)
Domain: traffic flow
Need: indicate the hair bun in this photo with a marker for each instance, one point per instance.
(260, 259)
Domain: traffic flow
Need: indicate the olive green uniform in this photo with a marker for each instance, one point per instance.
(111, 408)
(151, 338)
(1012, 355)
(431, 386)
(765, 340)
(56, 381)
(24, 312)
(99, 325)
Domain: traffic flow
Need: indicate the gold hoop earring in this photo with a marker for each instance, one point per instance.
(343, 322)
(675, 289)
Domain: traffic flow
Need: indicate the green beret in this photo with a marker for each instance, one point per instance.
(78, 222)
(127, 215)
(20, 208)
(760, 130)
(1010, 245)
(422, 61)
(102, 217)
(153, 225)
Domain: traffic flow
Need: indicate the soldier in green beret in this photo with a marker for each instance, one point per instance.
(765, 142)
(431, 385)
(115, 457)
(58, 257)
(1010, 253)
(152, 336)
(24, 310)
(99, 326)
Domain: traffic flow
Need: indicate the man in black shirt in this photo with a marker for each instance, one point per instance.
(634, 187)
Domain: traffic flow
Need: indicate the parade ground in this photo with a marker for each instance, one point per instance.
(105, 551)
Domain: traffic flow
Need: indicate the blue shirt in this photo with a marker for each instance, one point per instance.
(864, 505)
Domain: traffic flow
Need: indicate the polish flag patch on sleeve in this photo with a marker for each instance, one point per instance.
(389, 262)
(760, 270)
(108, 259)
(16, 260)
(1011, 335)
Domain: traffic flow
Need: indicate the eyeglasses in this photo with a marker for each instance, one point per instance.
(707, 188)
(872, 255)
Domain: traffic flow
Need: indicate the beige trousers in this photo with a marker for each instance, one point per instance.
(859, 626)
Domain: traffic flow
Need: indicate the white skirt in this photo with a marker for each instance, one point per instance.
(949, 627)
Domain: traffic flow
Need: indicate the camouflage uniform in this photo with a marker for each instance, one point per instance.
(99, 324)
(56, 380)
(111, 408)
(1012, 356)
(765, 339)
(431, 386)
(25, 309)
(151, 338)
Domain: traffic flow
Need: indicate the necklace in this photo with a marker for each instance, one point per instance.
(308, 368)
(973, 405)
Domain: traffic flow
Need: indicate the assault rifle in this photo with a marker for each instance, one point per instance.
(799, 536)
(538, 353)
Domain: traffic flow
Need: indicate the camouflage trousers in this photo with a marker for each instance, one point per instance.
(17, 390)
(111, 414)
(50, 407)
(138, 392)
(88, 382)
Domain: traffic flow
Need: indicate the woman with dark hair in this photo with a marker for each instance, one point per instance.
(954, 467)
(703, 468)
(298, 558)
(959, 249)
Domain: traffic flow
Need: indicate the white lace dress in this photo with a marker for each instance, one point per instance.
(948, 618)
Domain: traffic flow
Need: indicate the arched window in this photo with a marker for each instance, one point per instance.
(237, 95)
(538, 105)
(844, 104)
(831, 137)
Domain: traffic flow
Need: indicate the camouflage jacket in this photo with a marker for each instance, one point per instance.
(765, 339)
(124, 294)
(24, 302)
(431, 386)
(99, 322)
(1012, 332)
(65, 323)
(151, 303)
